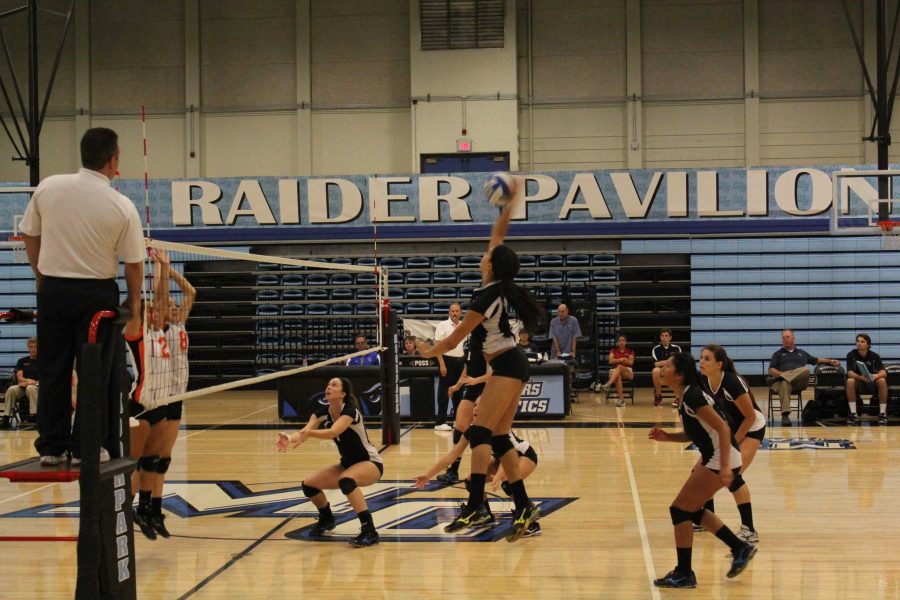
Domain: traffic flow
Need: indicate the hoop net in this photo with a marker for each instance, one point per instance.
(890, 235)
(17, 245)
(249, 318)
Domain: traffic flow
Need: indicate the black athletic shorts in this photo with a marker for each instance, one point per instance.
(759, 434)
(173, 411)
(157, 415)
(472, 392)
(379, 465)
(531, 455)
(513, 364)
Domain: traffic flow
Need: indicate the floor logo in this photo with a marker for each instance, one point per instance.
(806, 444)
(401, 512)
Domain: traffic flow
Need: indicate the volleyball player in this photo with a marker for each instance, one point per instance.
(735, 400)
(720, 467)
(360, 463)
(472, 378)
(487, 320)
(176, 344)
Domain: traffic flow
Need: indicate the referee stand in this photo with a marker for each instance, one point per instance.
(106, 566)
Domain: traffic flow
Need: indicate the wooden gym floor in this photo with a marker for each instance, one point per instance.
(825, 510)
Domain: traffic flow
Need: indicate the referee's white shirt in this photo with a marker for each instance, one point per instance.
(85, 226)
(444, 329)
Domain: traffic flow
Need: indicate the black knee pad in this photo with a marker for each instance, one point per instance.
(737, 484)
(308, 490)
(478, 436)
(678, 515)
(162, 465)
(347, 484)
(501, 444)
(148, 463)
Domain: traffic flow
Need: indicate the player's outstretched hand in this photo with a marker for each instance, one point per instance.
(282, 442)
(422, 481)
(658, 434)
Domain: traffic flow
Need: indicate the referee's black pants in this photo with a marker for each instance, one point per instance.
(65, 308)
(454, 370)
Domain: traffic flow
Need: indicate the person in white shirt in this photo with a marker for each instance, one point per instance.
(450, 366)
(76, 229)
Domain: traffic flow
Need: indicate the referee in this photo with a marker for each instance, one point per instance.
(450, 367)
(76, 229)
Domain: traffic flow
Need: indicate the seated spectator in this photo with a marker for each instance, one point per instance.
(525, 342)
(661, 353)
(409, 346)
(564, 331)
(788, 372)
(621, 361)
(26, 385)
(871, 380)
(366, 360)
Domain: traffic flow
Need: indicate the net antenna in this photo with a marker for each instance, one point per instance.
(856, 201)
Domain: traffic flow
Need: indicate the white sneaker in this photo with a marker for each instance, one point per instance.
(748, 535)
(620, 403)
(104, 457)
(605, 387)
(443, 427)
(52, 460)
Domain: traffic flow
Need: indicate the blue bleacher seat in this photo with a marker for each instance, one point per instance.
(445, 277)
(293, 294)
(578, 260)
(293, 359)
(316, 279)
(443, 292)
(318, 294)
(267, 340)
(418, 308)
(578, 276)
(466, 291)
(366, 308)
(418, 262)
(470, 262)
(292, 279)
(604, 290)
(268, 280)
(606, 306)
(342, 294)
(342, 309)
(291, 341)
(525, 277)
(603, 275)
(365, 294)
(444, 262)
(550, 260)
(267, 310)
(550, 276)
(366, 261)
(268, 296)
(340, 260)
(603, 259)
(261, 372)
(418, 278)
(342, 279)
(392, 262)
(440, 308)
(527, 261)
(366, 279)
(315, 358)
(293, 310)
(395, 293)
(471, 277)
(396, 278)
(267, 266)
(417, 292)
(263, 326)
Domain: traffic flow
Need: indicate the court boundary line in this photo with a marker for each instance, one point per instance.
(639, 513)
(233, 560)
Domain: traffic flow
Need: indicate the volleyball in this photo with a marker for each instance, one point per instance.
(499, 189)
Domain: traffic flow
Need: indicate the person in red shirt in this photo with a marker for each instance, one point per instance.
(621, 361)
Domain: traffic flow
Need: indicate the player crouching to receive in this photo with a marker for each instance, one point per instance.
(720, 467)
(360, 463)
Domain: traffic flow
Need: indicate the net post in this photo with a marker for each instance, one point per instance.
(390, 378)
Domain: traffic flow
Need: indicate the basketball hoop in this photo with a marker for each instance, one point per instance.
(17, 245)
(890, 235)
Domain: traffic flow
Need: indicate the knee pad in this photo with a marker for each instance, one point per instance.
(679, 516)
(162, 465)
(147, 463)
(308, 490)
(501, 444)
(478, 436)
(737, 484)
(347, 484)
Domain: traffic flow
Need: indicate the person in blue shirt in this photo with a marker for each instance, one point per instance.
(364, 360)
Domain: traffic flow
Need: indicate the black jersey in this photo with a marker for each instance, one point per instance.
(494, 332)
(661, 352)
(730, 389)
(872, 361)
(353, 444)
(702, 435)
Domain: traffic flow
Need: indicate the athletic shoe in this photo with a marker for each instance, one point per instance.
(443, 427)
(786, 420)
(657, 401)
(740, 561)
(620, 402)
(882, 419)
(698, 528)
(469, 517)
(533, 530)
(674, 579)
(852, 419)
(104, 457)
(523, 520)
(674, 403)
(748, 535)
(51, 460)
(605, 387)
(142, 519)
(367, 537)
(321, 527)
(451, 476)
(159, 525)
